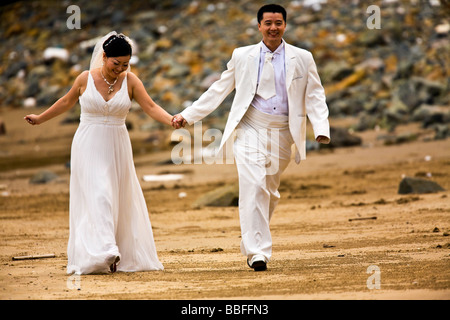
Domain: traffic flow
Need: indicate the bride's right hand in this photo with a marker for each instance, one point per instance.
(32, 119)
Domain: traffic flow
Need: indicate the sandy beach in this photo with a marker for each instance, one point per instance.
(340, 217)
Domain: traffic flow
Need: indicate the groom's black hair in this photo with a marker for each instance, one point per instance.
(272, 8)
(117, 46)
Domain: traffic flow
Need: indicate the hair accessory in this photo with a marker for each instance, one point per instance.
(118, 36)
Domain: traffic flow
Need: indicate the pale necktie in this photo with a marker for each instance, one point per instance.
(266, 88)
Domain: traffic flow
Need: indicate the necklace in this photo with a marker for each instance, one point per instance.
(111, 85)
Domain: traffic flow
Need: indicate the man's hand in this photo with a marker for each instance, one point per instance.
(323, 139)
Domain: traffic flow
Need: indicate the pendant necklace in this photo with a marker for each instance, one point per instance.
(111, 85)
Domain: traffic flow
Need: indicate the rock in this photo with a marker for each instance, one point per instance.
(178, 70)
(29, 102)
(372, 64)
(428, 91)
(433, 119)
(442, 131)
(425, 112)
(341, 137)
(56, 53)
(371, 38)
(2, 127)
(406, 94)
(418, 186)
(442, 29)
(351, 80)
(366, 122)
(401, 138)
(396, 113)
(46, 95)
(226, 196)
(312, 145)
(13, 68)
(43, 176)
(335, 71)
(34, 79)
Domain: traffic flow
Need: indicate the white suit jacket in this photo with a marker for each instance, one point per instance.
(306, 96)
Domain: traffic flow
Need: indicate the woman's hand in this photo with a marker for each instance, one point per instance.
(32, 119)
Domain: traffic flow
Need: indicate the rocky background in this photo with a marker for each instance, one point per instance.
(382, 77)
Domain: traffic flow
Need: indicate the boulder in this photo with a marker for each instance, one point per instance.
(341, 137)
(335, 71)
(418, 186)
(225, 196)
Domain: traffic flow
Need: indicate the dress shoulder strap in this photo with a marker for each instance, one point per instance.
(90, 80)
(125, 81)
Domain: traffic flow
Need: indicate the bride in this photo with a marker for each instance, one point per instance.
(110, 229)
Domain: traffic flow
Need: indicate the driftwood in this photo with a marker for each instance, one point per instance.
(42, 256)
(368, 218)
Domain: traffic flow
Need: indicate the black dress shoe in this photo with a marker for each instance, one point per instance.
(258, 265)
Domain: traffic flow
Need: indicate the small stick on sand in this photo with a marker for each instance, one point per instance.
(43, 256)
(368, 218)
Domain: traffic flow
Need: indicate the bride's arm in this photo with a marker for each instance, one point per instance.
(146, 102)
(63, 104)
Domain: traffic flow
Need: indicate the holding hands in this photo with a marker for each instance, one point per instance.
(178, 121)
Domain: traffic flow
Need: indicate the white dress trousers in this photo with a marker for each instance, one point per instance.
(262, 152)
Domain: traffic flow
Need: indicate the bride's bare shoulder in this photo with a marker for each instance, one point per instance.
(82, 77)
(81, 82)
(132, 77)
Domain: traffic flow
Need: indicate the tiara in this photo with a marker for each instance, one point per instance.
(117, 36)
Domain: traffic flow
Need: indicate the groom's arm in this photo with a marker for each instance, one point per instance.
(212, 98)
(316, 106)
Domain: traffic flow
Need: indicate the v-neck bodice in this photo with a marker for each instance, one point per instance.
(95, 109)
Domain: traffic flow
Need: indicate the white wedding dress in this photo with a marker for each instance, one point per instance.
(108, 212)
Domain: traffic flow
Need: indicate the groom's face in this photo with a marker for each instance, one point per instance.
(272, 27)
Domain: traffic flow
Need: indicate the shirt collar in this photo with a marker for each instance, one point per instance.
(279, 50)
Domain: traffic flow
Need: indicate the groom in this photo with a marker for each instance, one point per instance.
(277, 86)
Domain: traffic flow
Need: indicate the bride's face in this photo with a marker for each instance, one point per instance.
(114, 66)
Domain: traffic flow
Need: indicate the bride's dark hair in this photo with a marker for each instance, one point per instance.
(117, 46)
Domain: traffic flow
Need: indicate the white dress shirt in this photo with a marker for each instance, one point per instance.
(277, 105)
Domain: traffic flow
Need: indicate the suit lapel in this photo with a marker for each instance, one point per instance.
(253, 65)
(290, 66)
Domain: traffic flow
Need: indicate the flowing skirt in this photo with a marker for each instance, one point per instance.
(108, 212)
